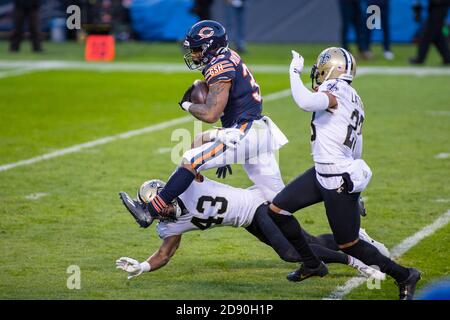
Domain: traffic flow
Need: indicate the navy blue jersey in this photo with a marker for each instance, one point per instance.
(244, 101)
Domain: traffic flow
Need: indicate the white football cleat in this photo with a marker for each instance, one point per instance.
(365, 270)
(381, 247)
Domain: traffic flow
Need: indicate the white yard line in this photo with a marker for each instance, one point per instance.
(438, 113)
(35, 196)
(396, 252)
(90, 144)
(442, 200)
(277, 95)
(164, 150)
(125, 135)
(443, 155)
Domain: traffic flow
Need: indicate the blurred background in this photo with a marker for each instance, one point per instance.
(340, 22)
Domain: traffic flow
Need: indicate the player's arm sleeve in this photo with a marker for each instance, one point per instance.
(222, 71)
(305, 99)
(167, 249)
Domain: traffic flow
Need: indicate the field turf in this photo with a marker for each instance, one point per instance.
(79, 219)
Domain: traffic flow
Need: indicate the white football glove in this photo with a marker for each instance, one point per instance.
(228, 136)
(296, 63)
(133, 267)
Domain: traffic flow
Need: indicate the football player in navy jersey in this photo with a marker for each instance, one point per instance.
(247, 137)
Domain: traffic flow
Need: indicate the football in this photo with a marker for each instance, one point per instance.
(199, 93)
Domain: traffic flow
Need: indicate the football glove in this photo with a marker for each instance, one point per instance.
(133, 267)
(228, 136)
(296, 63)
(186, 98)
(222, 171)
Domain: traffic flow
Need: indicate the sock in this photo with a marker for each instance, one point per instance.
(293, 232)
(180, 180)
(368, 254)
(329, 256)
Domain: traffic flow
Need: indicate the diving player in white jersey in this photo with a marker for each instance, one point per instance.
(339, 174)
(207, 204)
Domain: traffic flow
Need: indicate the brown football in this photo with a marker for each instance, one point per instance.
(199, 93)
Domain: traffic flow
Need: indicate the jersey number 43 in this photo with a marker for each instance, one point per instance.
(203, 201)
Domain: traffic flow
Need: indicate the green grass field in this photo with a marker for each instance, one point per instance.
(80, 221)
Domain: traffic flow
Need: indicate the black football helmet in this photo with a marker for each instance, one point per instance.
(206, 37)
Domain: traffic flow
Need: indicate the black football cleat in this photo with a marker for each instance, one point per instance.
(138, 210)
(304, 273)
(408, 286)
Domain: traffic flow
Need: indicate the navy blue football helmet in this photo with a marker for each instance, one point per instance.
(204, 40)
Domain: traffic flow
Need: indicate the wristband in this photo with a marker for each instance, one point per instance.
(145, 266)
(186, 105)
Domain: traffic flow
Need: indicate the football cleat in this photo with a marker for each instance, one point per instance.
(407, 287)
(138, 210)
(304, 273)
(380, 246)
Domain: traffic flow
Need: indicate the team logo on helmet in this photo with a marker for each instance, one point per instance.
(206, 32)
(324, 58)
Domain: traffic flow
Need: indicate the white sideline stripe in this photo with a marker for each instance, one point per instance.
(16, 72)
(396, 252)
(125, 135)
(178, 67)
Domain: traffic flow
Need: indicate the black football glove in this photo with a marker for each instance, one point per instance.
(186, 96)
(222, 171)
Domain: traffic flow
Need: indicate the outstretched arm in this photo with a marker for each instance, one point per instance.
(162, 256)
(216, 101)
(157, 260)
(305, 99)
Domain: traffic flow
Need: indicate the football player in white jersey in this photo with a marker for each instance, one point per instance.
(339, 174)
(207, 204)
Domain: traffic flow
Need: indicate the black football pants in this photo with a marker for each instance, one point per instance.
(283, 238)
(341, 207)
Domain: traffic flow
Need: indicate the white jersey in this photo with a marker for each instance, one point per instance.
(335, 133)
(213, 204)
